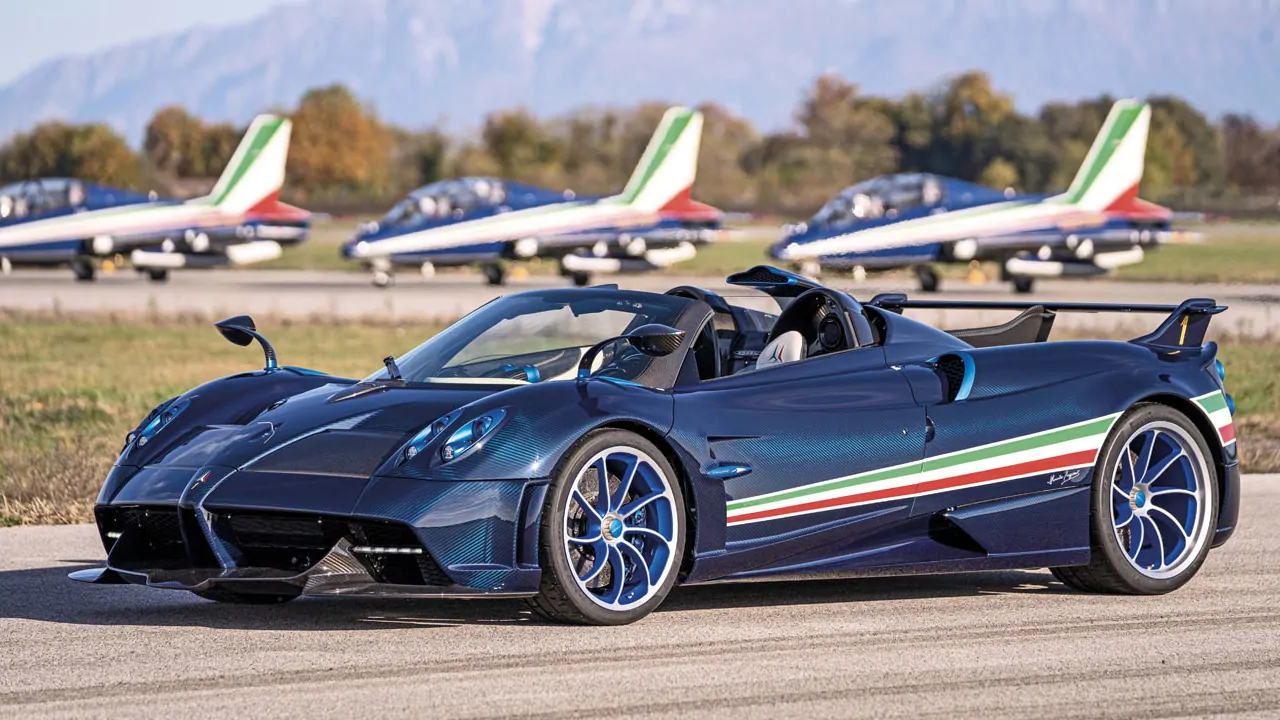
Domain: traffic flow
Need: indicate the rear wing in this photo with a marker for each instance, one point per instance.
(1185, 325)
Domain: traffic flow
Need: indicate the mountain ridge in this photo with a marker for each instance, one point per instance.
(422, 62)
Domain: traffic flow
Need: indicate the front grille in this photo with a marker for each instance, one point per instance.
(165, 538)
(149, 537)
(296, 542)
(399, 569)
(281, 541)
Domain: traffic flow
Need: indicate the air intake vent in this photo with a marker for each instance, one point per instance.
(956, 373)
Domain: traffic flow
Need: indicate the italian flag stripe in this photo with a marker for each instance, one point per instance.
(1062, 448)
(1214, 405)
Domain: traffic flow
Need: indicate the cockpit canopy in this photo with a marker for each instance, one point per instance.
(40, 196)
(880, 197)
(35, 197)
(457, 197)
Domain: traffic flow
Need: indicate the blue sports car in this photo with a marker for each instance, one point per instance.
(590, 448)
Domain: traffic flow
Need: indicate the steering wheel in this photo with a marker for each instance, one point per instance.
(829, 322)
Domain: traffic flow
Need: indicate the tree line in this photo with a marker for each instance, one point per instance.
(343, 153)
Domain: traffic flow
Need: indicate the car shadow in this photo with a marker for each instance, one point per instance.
(46, 594)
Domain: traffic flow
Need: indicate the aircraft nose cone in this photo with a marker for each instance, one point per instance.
(355, 249)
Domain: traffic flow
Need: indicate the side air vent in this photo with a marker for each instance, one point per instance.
(956, 372)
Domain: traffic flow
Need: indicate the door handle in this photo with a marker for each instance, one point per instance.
(727, 471)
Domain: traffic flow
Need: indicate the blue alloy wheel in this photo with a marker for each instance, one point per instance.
(1160, 502)
(1154, 505)
(620, 529)
(612, 533)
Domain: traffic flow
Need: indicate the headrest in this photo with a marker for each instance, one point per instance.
(787, 347)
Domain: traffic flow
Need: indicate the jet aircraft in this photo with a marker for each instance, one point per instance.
(489, 222)
(66, 221)
(917, 220)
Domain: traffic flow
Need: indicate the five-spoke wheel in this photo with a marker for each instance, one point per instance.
(1155, 500)
(612, 532)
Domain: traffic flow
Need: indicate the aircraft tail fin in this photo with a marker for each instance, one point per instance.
(669, 165)
(253, 177)
(1113, 168)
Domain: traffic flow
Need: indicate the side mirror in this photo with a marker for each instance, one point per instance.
(654, 340)
(241, 331)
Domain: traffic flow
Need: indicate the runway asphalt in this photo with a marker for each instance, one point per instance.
(997, 645)
(1255, 309)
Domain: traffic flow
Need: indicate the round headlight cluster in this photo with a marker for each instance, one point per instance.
(465, 437)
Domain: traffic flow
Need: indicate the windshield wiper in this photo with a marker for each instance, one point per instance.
(393, 370)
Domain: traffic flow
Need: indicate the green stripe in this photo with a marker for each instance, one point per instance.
(630, 193)
(1095, 427)
(256, 146)
(1088, 429)
(874, 476)
(1114, 135)
(1213, 403)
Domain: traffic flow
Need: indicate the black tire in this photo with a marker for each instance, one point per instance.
(580, 278)
(85, 270)
(158, 275)
(1023, 285)
(560, 597)
(1109, 569)
(235, 598)
(928, 278)
(494, 275)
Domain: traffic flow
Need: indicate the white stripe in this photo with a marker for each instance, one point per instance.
(856, 503)
(1113, 417)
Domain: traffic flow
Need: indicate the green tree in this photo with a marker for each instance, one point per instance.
(338, 143)
(92, 152)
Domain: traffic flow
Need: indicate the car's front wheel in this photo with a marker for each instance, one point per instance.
(612, 534)
(1155, 501)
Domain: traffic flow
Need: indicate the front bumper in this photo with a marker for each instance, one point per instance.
(339, 572)
(387, 536)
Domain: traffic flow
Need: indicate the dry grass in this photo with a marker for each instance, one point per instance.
(70, 391)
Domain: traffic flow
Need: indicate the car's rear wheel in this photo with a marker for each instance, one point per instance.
(1155, 499)
(613, 532)
(236, 598)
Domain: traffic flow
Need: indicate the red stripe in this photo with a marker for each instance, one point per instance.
(1228, 433)
(1084, 457)
(1032, 467)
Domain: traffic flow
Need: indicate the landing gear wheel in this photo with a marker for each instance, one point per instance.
(1023, 285)
(1154, 506)
(85, 270)
(158, 275)
(928, 278)
(382, 279)
(495, 275)
(612, 534)
(235, 598)
(580, 278)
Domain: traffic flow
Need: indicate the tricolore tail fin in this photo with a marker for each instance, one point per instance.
(669, 165)
(253, 177)
(1113, 168)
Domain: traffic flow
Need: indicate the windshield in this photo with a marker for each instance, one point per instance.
(539, 336)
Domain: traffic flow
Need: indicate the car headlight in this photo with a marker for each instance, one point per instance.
(156, 421)
(426, 435)
(465, 437)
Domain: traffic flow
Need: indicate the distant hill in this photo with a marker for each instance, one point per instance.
(419, 61)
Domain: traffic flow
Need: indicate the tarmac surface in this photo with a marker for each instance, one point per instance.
(1254, 309)
(1004, 644)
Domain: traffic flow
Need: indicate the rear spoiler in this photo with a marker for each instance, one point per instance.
(1185, 325)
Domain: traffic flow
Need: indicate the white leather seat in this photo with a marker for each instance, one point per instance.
(787, 347)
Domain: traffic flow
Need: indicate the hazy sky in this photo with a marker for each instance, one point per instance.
(32, 31)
